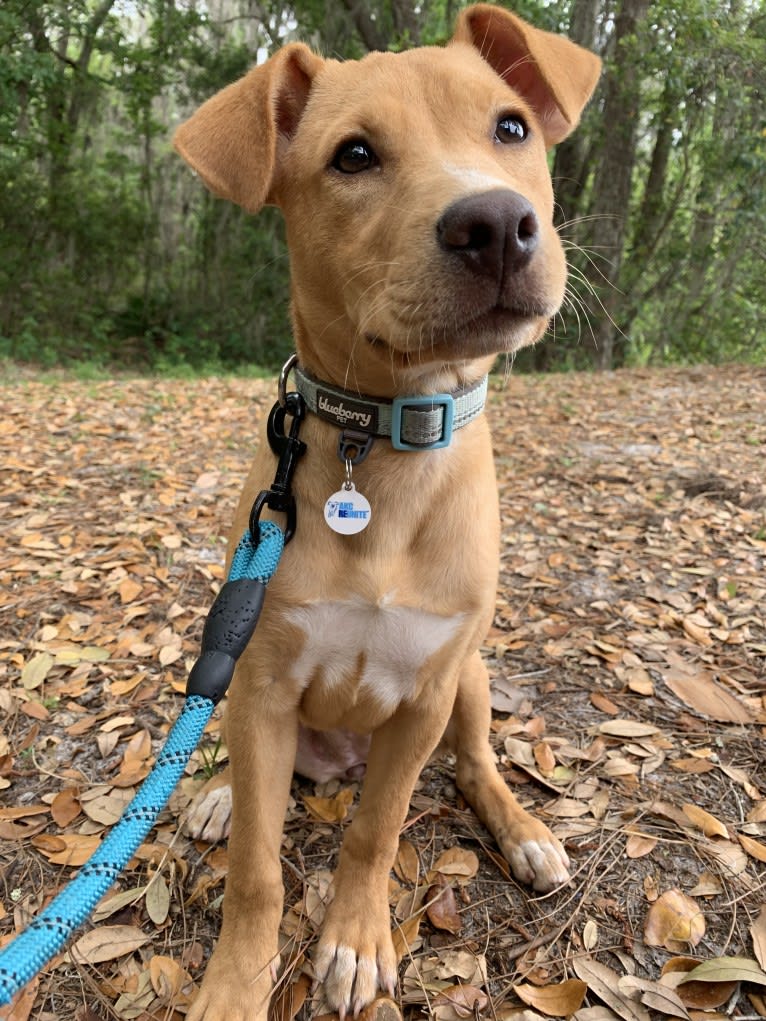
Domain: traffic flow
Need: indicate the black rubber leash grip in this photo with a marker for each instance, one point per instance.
(229, 627)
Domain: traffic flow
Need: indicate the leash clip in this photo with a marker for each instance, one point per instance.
(289, 449)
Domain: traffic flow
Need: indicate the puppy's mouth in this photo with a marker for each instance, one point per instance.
(497, 330)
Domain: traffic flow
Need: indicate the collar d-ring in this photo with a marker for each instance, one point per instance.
(284, 375)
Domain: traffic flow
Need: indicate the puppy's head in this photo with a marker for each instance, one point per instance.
(415, 191)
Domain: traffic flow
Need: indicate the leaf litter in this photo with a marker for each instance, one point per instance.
(627, 656)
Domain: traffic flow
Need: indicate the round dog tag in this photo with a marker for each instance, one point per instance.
(347, 512)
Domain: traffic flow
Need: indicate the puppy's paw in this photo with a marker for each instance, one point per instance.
(234, 988)
(355, 960)
(536, 857)
(209, 816)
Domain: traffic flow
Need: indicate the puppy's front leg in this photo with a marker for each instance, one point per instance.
(356, 954)
(262, 734)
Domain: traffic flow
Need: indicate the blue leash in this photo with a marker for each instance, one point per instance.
(228, 629)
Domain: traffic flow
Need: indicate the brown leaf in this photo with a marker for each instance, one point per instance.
(441, 908)
(559, 1000)
(108, 943)
(754, 848)
(289, 998)
(639, 844)
(66, 849)
(728, 969)
(65, 807)
(603, 981)
(674, 921)
(704, 821)
(405, 934)
(457, 862)
(544, 757)
(157, 900)
(407, 863)
(169, 980)
(465, 1000)
(702, 995)
(333, 810)
(706, 696)
(627, 728)
(604, 703)
(36, 670)
(129, 590)
(758, 933)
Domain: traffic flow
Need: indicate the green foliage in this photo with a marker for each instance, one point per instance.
(110, 252)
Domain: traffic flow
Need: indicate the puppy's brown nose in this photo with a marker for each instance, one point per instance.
(493, 232)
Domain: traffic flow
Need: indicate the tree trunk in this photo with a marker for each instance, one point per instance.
(611, 189)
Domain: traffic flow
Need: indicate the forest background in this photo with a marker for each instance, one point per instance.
(112, 253)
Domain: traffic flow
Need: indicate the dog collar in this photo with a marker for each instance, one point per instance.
(411, 423)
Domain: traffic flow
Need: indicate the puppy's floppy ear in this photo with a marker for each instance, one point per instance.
(555, 75)
(233, 141)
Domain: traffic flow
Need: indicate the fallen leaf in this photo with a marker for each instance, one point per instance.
(157, 900)
(457, 862)
(758, 933)
(36, 670)
(661, 999)
(699, 691)
(728, 969)
(129, 590)
(65, 807)
(627, 728)
(66, 849)
(590, 935)
(407, 863)
(704, 821)
(441, 908)
(169, 980)
(544, 757)
(754, 848)
(674, 921)
(604, 703)
(405, 934)
(558, 1000)
(729, 856)
(108, 943)
(708, 885)
(701, 995)
(603, 981)
(333, 810)
(639, 844)
(465, 1000)
(289, 998)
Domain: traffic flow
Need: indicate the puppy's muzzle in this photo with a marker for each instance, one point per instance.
(493, 233)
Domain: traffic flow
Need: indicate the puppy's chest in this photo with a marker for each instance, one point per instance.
(375, 649)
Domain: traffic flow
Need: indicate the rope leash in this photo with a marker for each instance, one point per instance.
(228, 628)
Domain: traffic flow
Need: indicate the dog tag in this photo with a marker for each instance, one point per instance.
(347, 512)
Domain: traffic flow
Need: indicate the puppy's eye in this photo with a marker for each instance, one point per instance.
(511, 129)
(354, 156)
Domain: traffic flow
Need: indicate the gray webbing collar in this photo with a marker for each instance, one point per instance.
(411, 423)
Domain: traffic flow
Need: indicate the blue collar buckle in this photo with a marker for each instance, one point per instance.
(428, 403)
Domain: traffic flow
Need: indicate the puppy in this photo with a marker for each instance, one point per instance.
(418, 208)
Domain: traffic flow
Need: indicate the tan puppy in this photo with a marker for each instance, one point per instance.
(419, 214)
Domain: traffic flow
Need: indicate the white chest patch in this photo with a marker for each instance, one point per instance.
(394, 640)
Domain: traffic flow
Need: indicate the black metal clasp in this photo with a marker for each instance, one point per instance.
(289, 449)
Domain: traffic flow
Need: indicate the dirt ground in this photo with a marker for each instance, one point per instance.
(628, 657)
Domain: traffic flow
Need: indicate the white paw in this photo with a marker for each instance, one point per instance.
(351, 980)
(543, 863)
(209, 817)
